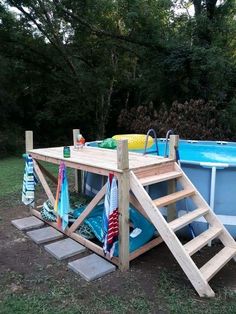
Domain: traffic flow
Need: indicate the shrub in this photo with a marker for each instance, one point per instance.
(195, 119)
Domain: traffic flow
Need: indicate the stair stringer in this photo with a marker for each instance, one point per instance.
(210, 217)
(185, 261)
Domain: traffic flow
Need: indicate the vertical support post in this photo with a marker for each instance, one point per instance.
(78, 174)
(212, 193)
(28, 141)
(174, 143)
(124, 187)
(171, 209)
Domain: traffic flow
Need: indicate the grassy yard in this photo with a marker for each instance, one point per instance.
(11, 174)
(39, 284)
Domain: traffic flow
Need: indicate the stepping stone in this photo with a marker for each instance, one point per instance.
(64, 248)
(91, 267)
(44, 235)
(27, 223)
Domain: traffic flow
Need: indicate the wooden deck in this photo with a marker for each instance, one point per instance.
(96, 160)
(100, 161)
(133, 172)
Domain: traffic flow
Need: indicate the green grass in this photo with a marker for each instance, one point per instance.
(180, 300)
(11, 174)
(63, 298)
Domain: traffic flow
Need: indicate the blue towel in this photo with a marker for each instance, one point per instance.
(64, 202)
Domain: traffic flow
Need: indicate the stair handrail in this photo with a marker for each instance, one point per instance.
(168, 133)
(155, 139)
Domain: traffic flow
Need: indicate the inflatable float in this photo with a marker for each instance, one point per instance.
(135, 141)
(142, 229)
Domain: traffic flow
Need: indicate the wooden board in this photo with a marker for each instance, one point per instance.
(177, 249)
(96, 158)
(87, 243)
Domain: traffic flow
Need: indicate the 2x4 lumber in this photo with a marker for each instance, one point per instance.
(93, 247)
(186, 219)
(174, 197)
(77, 174)
(75, 165)
(217, 262)
(210, 217)
(201, 240)
(160, 178)
(47, 173)
(173, 144)
(28, 140)
(124, 187)
(88, 209)
(146, 247)
(169, 237)
(44, 182)
(156, 169)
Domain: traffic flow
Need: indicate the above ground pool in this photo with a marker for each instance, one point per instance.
(211, 166)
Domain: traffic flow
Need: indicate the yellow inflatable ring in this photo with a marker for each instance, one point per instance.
(135, 141)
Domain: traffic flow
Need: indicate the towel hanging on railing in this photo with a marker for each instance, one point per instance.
(111, 216)
(29, 181)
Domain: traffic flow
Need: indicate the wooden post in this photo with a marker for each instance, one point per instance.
(124, 187)
(78, 174)
(171, 209)
(174, 144)
(28, 141)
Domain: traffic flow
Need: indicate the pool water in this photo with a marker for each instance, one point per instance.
(199, 151)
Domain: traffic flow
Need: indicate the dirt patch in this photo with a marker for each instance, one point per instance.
(25, 266)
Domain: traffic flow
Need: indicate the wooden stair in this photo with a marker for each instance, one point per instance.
(200, 241)
(160, 178)
(174, 197)
(217, 262)
(198, 277)
(184, 220)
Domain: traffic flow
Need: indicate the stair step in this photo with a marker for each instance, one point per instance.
(217, 262)
(174, 197)
(160, 177)
(187, 218)
(200, 241)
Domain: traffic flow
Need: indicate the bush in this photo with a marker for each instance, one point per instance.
(194, 119)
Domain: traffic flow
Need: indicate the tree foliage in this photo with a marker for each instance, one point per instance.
(194, 119)
(67, 63)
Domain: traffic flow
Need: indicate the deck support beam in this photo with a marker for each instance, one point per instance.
(29, 144)
(78, 174)
(124, 186)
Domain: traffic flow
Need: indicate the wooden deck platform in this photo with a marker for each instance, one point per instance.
(133, 172)
(100, 161)
(96, 160)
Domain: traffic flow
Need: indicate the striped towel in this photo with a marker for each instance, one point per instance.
(111, 217)
(29, 182)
